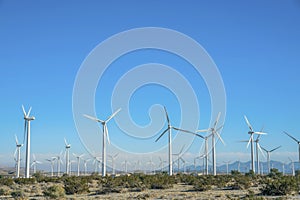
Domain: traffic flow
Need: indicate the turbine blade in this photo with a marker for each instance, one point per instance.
(248, 123)
(181, 149)
(29, 112)
(161, 134)
(106, 132)
(291, 137)
(178, 129)
(25, 129)
(34, 158)
(217, 120)
(275, 148)
(23, 109)
(219, 136)
(260, 133)
(201, 131)
(65, 142)
(264, 149)
(249, 141)
(167, 116)
(16, 139)
(262, 153)
(114, 114)
(39, 162)
(93, 118)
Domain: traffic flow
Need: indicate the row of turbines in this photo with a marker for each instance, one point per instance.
(213, 133)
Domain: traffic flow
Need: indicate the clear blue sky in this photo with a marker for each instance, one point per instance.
(255, 45)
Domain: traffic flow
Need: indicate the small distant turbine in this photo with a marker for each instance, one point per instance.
(169, 129)
(67, 150)
(27, 119)
(214, 133)
(161, 163)
(52, 160)
(85, 165)
(179, 157)
(18, 159)
(33, 164)
(293, 166)
(78, 157)
(268, 156)
(298, 142)
(227, 169)
(105, 135)
(252, 132)
(125, 164)
(113, 159)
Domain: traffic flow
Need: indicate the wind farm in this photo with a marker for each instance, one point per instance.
(149, 100)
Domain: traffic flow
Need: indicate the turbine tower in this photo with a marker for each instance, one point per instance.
(105, 135)
(205, 150)
(268, 156)
(214, 132)
(169, 129)
(18, 159)
(27, 119)
(67, 146)
(251, 132)
(33, 164)
(179, 157)
(113, 159)
(78, 162)
(298, 141)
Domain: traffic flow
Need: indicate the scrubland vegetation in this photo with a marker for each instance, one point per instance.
(256, 186)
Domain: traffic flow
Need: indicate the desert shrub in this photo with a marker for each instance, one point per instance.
(201, 187)
(25, 181)
(275, 174)
(241, 182)
(3, 192)
(6, 181)
(18, 194)
(75, 185)
(283, 186)
(55, 192)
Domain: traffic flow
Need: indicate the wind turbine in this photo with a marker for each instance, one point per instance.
(214, 132)
(227, 163)
(169, 129)
(27, 119)
(179, 157)
(151, 163)
(125, 164)
(252, 132)
(293, 166)
(113, 159)
(18, 159)
(59, 161)
(34, 163)
(268, 156)
(67, 146)
(95, 163)
(78, 157)
(205, 150)
(161, 163)
(105, 135)
(85, 161)
(298, 142)
(257, 153)
(52, 160)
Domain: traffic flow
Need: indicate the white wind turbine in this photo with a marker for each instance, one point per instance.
(85, 161)
(227, 168)
(105, 135)
(205, 150)
(18, 159)
(67, 150)
(59, 162)
(33, 164)
(298, 142)
(268, 156)
(52, 160)
(27, 119)
(214, 132)
(251, 140)
(161, 163)
(125, 164)
(113, 159)
(179, 158)
(169, 129)
(293, 166)
(151, 163)
(78, 157)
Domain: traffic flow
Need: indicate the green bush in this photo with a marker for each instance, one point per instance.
(18, 194)
(75, 185)
(55, 192)
(284, 186)
(25, 181)
(6, 181)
